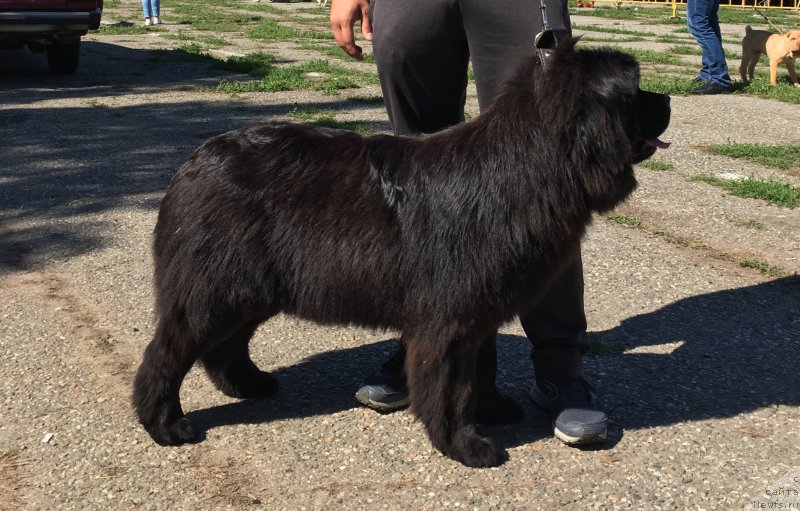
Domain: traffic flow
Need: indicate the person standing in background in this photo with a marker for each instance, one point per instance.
(703, 22)
(151, 14)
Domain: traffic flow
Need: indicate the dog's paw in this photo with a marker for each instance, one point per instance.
(496, 408)
(476, 451)
(177, 432)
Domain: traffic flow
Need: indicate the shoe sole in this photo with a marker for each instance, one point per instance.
(593, 434)
(362, 396)
(590, 436)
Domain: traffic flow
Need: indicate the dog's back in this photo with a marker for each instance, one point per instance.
(200, 227)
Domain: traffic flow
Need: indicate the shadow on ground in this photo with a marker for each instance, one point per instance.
(61, 167)
(738, 352)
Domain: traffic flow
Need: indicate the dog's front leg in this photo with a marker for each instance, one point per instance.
(442, 381)
(773, 71)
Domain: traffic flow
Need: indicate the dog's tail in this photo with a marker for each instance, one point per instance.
(747, 29)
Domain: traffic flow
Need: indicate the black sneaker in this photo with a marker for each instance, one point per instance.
(572, 404)
(386, 390)
(698, 80)
(711, 88)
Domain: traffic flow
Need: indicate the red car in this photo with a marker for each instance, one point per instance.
(54, 26)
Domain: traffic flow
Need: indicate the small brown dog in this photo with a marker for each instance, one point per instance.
(780, 48)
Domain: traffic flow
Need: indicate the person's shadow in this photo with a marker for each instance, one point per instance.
(712, 355)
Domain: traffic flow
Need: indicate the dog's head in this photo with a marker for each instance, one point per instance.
(606, 123)
(794, 42)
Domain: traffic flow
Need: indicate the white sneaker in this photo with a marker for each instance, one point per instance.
(148, 22)
(156, 20)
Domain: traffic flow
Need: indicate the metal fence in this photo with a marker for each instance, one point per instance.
(793, 5)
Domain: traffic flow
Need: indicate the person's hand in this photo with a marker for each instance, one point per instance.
(344, 14)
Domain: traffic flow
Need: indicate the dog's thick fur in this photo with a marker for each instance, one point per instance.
(444, 237)
(779, 48)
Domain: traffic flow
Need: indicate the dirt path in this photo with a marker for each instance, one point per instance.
(695, 356)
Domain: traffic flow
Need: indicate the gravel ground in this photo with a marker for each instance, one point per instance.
(695, 357)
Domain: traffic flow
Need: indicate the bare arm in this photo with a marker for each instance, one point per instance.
(344, 14)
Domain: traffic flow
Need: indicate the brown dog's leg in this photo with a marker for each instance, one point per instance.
(233, 372)
(751, 69)
(792, 72)
(773, 72)
(746, 57)
(442, 381)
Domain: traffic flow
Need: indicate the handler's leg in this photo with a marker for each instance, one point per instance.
(557, 329)
(501, 34)
(421, 53)
(557, 326)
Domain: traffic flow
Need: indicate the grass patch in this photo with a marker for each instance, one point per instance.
(93, 103)
(127, 29)
(258, 64)
(604, 40)
(318, 75)
(672, 85)
(651, 56)
(630, 221)
(762, 266)
(207, 40)
(325, 117)
(310, 114)
(657, 165)
(780, 156)
(750, 223)
(191, 52)
(682, 241)
(770, 190)
(272, 31)
(368, 100)
(333, 51)
(783, 91)
(612, 30)
(685, 49)
(623, 13)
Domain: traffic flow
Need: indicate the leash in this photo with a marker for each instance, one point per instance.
(767, 19)
(545, 41)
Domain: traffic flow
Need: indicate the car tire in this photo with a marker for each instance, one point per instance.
(62, 57)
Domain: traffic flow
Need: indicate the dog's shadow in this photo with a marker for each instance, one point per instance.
(709, 356)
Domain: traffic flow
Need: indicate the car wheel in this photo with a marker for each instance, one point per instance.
(62, 57)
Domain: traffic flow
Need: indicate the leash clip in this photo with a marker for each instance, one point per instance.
(545, 41)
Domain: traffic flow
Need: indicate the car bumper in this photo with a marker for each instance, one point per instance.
(30, 24)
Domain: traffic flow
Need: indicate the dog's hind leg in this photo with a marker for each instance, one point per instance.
(167, 359)
(442, 381)
(748, 68)
(493, 407)
(233, 372)
(792, 72)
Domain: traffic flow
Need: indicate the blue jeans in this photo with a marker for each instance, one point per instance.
(703, 23)
(150, 8)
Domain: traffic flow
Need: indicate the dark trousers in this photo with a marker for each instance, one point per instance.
(422, 49)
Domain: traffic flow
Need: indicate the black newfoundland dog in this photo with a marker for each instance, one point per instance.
(444, 237)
